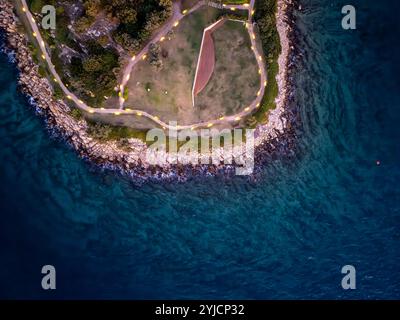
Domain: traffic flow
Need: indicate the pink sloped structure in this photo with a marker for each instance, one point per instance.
(206, 62)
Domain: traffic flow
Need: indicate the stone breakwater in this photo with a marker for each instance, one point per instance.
(270, 138)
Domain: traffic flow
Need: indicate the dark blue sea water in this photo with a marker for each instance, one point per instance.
(286, 236)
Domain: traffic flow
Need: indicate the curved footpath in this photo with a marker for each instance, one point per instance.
(173, 22)
(135, 161)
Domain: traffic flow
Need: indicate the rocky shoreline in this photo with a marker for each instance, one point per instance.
(274, 137)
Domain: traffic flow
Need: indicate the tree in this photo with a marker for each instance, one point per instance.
(127, 15)
(103, 41)
(127, 42)
(92, 64)
(92, 7)
(82, 24)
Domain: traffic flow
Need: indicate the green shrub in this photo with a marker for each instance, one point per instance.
(76, 113)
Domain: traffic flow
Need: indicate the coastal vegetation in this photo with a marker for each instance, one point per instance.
(86, 45)
(265, 18)
(105, 132)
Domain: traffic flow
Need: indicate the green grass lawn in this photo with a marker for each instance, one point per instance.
(167, 92)
(270, 42)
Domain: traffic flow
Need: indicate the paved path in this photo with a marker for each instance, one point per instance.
(177, 16)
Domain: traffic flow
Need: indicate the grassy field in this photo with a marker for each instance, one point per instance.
(235, 81)
(167, 92)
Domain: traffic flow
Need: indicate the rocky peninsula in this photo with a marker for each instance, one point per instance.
(274, 136)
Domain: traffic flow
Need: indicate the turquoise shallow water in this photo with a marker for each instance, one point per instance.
(286, 236)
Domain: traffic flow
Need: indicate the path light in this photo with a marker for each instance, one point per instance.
(233, 9)
(43, 57)
(192, 128)
(252, 12)
(162, 39)
(55, 80)
(247, 109)
(259, 71)
(184, 11)
(246, 5)
(237, 118)
(34, 34)
(209, 125)
(258, 93)
(139, 114)
(253, 36)
(23, 9)
(265, 83)
(80, 101)
(101, 108)
(221, 118)
(33, 20)
(156, 118)
(127, 77)
(257, 105)
(176, 23)
(148, 89)
(166, 92)
(69, 97)
(144, 57)
(42, 43)
(260, 58)
(127, 109)
(117, 113)
(133, 58)
(91, 111)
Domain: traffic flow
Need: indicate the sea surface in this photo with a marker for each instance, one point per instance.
(287, 236)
